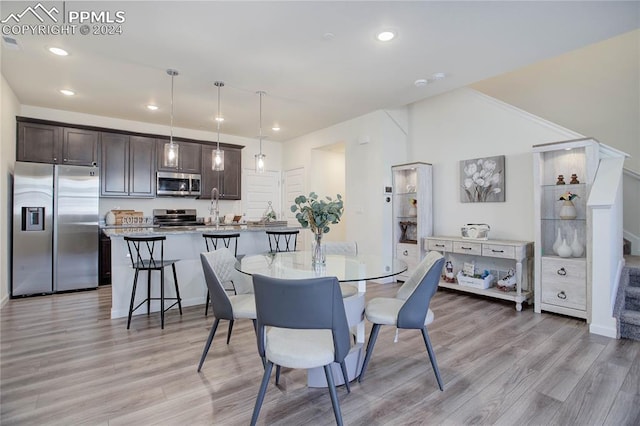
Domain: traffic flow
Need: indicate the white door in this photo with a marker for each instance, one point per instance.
(293, 186)
(260, 189)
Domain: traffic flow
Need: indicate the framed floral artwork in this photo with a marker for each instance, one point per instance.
(482, 180)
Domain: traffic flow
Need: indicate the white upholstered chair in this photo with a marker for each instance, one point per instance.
(349, 248)
(409, 309)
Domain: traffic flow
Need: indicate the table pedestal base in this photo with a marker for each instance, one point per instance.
(354, 309)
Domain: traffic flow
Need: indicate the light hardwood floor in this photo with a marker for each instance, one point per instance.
(65, 362)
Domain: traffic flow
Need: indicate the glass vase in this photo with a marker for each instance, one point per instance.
(318, 255)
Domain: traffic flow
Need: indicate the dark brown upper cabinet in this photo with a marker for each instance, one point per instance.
(227, 181)
(44, 143)
(189, 157)
(127, 166)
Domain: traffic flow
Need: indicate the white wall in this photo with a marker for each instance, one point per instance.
(373, 143)
(9, 108)
(595, 91)
(273, 150)
(464, 124)
(328, 179)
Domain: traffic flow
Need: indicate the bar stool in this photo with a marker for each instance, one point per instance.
(226, 239)
(145, 257)
(282, 240)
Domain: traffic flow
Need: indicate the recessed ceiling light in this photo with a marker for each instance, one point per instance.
(386, 35)
(219, 119)
(67, 92)
(421, 82)
(58, 51)
(276, 128)
(151, 107)
(438, 76)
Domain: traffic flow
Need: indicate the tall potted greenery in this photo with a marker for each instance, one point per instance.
(317, 214)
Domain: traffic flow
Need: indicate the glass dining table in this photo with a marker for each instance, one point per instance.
(355, 269)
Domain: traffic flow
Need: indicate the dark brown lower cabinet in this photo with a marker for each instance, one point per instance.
(104, 260)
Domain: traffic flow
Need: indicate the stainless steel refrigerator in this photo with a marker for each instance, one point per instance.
(55, 228)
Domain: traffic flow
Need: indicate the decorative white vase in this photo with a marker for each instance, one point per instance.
(568, 210)
(565, 249)
(558, 241)
(577, 249)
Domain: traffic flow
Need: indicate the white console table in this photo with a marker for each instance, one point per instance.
(490, 254)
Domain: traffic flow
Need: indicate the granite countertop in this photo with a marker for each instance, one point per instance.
(133, 230)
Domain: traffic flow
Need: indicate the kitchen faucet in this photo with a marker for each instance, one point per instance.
(215, 209)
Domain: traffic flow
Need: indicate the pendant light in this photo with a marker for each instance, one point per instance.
(217, 156)
(260, 157)
(171, 149)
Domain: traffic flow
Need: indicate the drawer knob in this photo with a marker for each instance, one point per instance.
(497, 251)
(465, 248)
(406, 253)
(562, 295)
(440, 245)
(561, 272)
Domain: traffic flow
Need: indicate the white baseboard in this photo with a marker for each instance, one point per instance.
(603, 330)
(635, 242)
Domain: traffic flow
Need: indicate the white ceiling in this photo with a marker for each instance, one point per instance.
(280, 47)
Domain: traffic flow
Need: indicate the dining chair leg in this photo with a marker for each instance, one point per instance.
(162, 298)
(229, 332)
(432, 357)
(255, 326)
(175, 282)
(345, 376)
(372, 341)
(148, 291)
(278, 368)
(206, 306)
(334, 396)
(261, 392)
(133, 297)
(208, 344)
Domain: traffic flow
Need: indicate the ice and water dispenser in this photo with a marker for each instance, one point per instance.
(33, 218)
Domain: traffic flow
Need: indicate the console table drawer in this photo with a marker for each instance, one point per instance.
(467, 248)
(439, 245)
(498, 250)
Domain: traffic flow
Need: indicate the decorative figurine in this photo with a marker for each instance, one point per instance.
(560, 180)
(448, 275)
(508, 282)
(574, 179)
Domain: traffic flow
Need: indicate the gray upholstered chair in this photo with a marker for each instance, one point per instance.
(349, 248)
(217, 266)
(307, 329)
(409, 309)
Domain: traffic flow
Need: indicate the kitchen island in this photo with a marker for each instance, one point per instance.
(184, 244)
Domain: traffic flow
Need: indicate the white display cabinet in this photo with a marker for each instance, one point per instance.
(412, 212)
(563, 260)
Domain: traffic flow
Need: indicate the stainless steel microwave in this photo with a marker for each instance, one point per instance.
(178, 184)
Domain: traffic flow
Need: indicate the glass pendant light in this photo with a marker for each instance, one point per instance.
(171, 149)
(217, 156)
(260, 157)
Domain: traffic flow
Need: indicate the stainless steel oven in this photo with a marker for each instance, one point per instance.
(178, 184)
